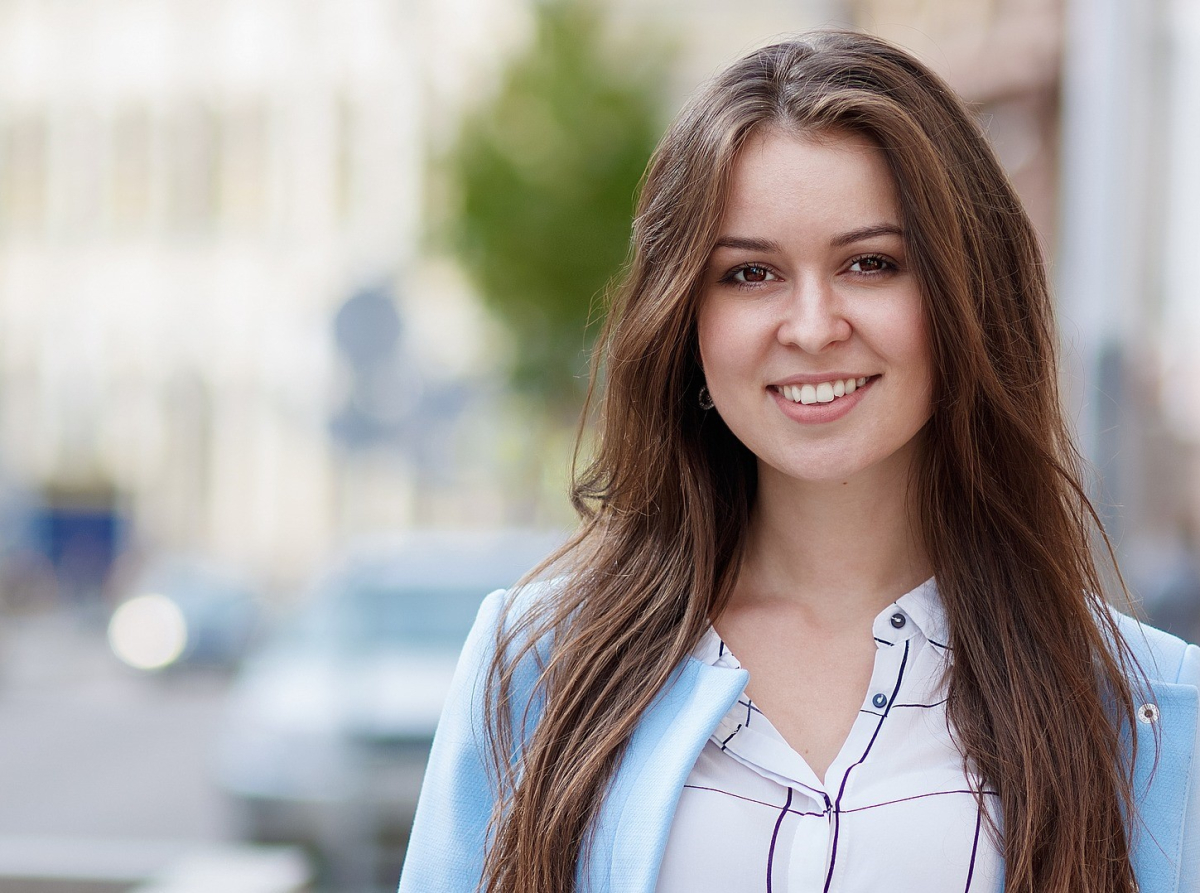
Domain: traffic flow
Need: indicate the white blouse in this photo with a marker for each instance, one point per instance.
(896, 811)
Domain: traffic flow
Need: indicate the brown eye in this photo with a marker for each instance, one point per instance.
(751, 273)
(870, 263)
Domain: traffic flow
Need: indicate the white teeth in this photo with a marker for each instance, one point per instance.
(823, 392)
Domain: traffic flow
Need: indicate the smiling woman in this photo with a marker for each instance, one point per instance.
(834, 301)
(832, 620)
(809, 288)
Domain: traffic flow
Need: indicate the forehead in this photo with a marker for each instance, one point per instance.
(829, 178)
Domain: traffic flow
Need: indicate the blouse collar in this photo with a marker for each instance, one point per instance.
(922, 606)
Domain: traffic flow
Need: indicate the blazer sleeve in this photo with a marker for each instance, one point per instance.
(1189, 869)
(446, 849)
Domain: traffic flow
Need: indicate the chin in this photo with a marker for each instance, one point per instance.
(840, 468)
(814, 473)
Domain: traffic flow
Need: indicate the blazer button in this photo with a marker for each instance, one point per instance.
(1148, 713)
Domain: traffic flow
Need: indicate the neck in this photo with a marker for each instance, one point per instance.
(839, 551)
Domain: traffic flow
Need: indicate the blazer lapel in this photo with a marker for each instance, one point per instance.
(635, 818)
(1160, 790)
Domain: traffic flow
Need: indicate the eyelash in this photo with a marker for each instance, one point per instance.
(731, 276)
(886, 266)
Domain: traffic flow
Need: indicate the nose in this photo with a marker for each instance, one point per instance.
(812, 316)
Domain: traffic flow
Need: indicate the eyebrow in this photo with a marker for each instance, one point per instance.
(867, 232)
(742, 244)
(768, 245)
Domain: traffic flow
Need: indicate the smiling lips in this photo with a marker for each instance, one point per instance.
(821, 392)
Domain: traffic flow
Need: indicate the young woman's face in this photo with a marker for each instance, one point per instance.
(811, 325)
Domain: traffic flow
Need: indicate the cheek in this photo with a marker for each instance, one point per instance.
(918, 362)
(712, 337)
(724, 364)
(732, 338)
(916, 350)
(909, 333)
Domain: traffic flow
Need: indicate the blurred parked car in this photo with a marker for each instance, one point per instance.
(329, 726)
(183, 611)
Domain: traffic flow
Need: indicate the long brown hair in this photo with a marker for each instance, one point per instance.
(1039, 691)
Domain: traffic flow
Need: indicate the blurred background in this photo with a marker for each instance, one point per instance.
(295, 302)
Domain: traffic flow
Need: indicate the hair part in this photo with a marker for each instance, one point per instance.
(1039, 690)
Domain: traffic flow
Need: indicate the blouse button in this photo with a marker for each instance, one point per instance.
(898, 620)
(880, 700)
(1148, 713)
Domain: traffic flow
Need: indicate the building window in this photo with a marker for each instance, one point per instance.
(194, 160)
(244, 183)
(131, 170)
(23, 169)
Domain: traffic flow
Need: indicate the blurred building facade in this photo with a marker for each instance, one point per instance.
(1004, 57)
(1091, 107)
(189, 192)
(219, 318)
(220, 328)
(1130, 196)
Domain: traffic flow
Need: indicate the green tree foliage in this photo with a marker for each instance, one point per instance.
(545, 178)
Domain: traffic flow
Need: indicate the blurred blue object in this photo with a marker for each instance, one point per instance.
(329, 726)
(184, 612)
(81, 533)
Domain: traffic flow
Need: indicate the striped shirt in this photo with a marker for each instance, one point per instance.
(895, 812)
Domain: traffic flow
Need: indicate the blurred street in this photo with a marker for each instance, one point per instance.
(295, 307)
(90, 750)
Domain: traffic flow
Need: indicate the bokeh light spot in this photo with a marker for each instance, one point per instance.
(148, 632)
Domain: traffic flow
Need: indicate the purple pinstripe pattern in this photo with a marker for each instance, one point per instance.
(775, 837)
(911, 800)
(837, 806)
(751, 708)
(731, 736)
(974, 847)
(795, 812)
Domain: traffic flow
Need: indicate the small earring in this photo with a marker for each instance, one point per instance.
(704, 398)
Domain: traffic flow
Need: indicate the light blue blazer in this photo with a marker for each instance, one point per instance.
(445, 852)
